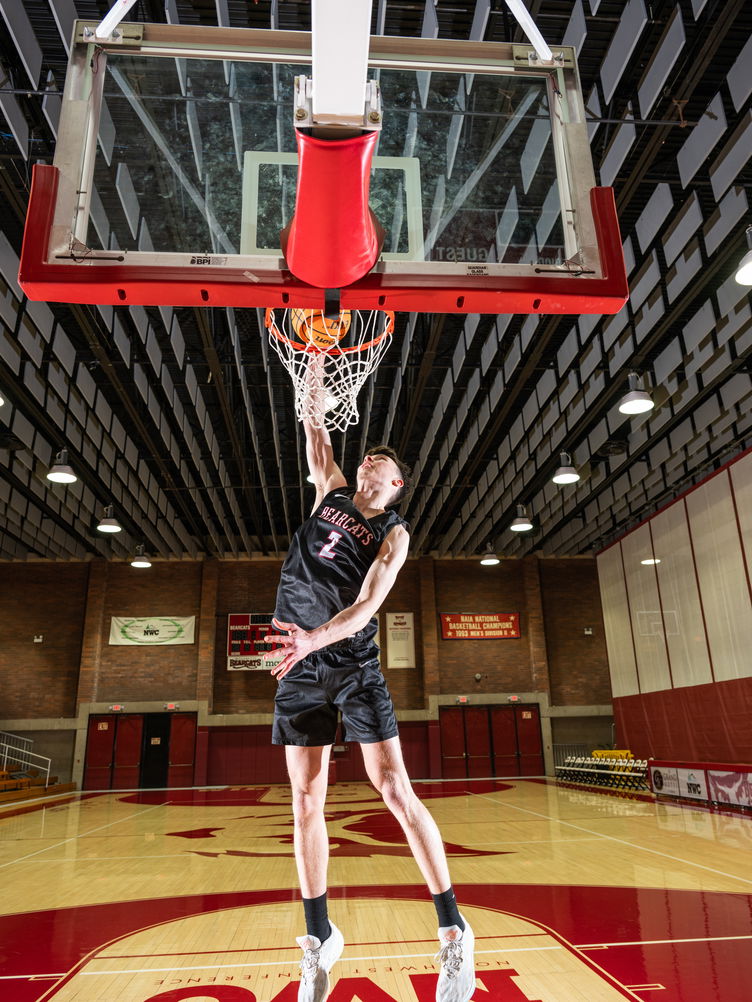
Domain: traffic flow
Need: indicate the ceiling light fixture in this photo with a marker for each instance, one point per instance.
(566, 474)
(108, 522)
(649, 561)
(60, 472)
(522, 522)
(140, 559)
(744, 272)
(489, 558)
(636, 400)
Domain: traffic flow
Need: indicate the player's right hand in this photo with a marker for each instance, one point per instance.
(296, 644)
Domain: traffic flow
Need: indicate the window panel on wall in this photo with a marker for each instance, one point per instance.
(621, 660)
(680, 599)
(645, 607)
(723, 580)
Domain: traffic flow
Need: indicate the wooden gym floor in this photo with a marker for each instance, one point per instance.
(575, 896)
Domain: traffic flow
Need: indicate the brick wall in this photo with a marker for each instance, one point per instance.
(578, 664)
(505, 665)
(149, 673)
(71, 605)
(49, 600)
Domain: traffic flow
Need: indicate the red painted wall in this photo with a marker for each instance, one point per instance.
(699, 723)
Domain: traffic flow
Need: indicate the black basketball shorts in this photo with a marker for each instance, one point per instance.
(337, 679)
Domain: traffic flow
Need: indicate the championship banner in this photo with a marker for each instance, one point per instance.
(480, 625)
(400, 640)
(245, 641)
(165, 630)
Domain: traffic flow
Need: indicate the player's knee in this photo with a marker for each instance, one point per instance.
(397, 794)
(307, 802)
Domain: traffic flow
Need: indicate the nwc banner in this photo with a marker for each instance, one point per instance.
(245, 641)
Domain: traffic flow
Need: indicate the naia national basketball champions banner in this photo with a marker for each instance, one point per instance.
(245, 641)
(480, 625)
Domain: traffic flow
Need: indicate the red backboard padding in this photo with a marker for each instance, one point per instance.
(333, 238)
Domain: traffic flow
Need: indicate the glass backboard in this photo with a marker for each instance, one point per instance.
(176, 170)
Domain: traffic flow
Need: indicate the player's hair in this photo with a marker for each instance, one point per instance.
(406, 474)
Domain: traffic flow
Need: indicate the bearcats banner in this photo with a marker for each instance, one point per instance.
(480, 625)
(125, 630)
(245, 641)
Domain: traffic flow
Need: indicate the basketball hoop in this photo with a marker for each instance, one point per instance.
(329, 359)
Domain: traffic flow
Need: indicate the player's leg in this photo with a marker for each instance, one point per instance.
(386, 770)
(322, 945)
(308, 770)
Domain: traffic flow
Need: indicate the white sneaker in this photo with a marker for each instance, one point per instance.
(457, 975)
(318, 960)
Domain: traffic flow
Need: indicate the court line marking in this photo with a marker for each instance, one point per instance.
(30, 977)
(100, 859)
(662, 942)
(613, 838)
(270, 963)
(73, 838)
(276, 949)
(294, 962)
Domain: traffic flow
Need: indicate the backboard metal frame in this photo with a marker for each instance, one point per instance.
(56, 264)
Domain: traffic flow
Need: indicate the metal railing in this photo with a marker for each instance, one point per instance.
(17, 755)
(16, 741)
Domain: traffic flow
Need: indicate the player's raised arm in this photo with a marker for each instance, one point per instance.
(322, 467)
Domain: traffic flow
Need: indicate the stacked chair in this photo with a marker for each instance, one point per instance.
(620, 772)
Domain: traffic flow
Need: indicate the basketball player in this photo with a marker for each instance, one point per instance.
(340, 567)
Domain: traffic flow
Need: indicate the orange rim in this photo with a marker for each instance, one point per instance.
(312, 349)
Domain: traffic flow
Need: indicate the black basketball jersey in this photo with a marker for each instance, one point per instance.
(329, 557)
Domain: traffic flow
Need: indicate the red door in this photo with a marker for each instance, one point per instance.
(182, 749)
(452, 724)
(504, 733)
(477, 741)
(100, 742)
(529, 740)
(127, 762)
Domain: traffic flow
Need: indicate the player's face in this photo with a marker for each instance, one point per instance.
(380, 469)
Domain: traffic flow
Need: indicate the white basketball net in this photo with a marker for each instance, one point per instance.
(327, 380)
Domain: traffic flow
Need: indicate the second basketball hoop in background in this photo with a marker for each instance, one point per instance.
(339, 352)
(317, 328)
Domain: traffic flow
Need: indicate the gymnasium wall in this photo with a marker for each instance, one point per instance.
(679, 632)
(53, 685)
(48, 601)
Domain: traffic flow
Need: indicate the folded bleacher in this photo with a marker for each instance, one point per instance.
(616, 772)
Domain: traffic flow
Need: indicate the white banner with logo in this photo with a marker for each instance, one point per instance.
(400, 640)
(151, 630)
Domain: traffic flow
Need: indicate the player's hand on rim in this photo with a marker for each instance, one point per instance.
(296, 644)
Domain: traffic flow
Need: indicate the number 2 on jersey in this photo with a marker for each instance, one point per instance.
(327, 550)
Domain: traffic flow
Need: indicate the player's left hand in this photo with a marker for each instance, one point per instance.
(296, 644)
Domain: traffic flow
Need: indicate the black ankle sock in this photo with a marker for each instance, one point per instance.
(446, 909)
(317, 917)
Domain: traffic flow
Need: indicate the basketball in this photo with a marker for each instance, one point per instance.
(314, 327)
